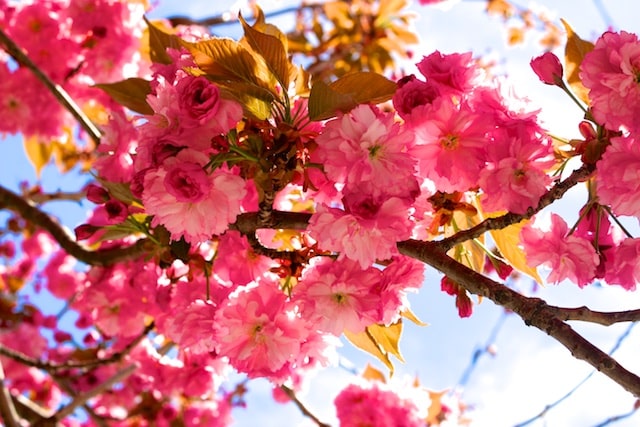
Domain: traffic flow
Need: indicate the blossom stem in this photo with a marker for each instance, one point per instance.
(568, 91)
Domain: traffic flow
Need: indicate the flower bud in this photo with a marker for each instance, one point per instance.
(548, 68)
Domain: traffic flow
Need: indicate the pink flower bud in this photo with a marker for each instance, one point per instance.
(548, 68)
(97, 195)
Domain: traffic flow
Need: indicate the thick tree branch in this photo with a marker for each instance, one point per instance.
(29, 212)
(556, 192)
(534, 311)
(61, 95)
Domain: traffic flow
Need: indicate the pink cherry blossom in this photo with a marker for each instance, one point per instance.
(568, 256)
(374, 406)
(366, 145)
(610, 72)
(618, 178)
(365, 231)
(338, 296)
(258, 331)
(515, 177)
(624, 269)
(234, 250)
(188, 201)
(453, 74)
(450, 146)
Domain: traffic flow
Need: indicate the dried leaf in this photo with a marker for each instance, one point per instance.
(364, 341)
(574, 53)
(372, 374)
(38, 152)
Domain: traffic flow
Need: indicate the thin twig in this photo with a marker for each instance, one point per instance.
(550, 406)
(302, 407)
(556, 192)
(604, 318)
(229, 18)
(58, 91)
(54, 367)
(17, 204)
(82, 398)
(478, 352)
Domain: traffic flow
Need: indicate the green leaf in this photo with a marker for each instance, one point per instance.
(349, 91)
(574, 53)
(159, 41)
(271, 48)
(130, 93)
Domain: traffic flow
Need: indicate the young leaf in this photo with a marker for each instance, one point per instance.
(225, 60)
(325, 103)
(574, 53)
(349, 91)
(130, 93)
(159, 41)
(271, 49)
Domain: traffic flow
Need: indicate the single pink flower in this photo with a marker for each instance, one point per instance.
(568, 256)
(610, 72)
(188, 201)
(618, 178)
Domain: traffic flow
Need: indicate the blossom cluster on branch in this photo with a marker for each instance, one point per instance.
(247, 213)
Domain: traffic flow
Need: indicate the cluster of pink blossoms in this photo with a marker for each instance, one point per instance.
(76, 43)
(596, 249)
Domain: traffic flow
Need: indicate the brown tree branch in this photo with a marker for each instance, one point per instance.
(503, 221)
(585, 314)
(102, 257)
(54, 367)
(58, 91)
(292, 395)
(534, 311)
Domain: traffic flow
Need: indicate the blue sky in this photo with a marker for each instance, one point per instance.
(530, 370)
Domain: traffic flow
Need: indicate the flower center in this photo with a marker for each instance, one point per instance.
(449, 142)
